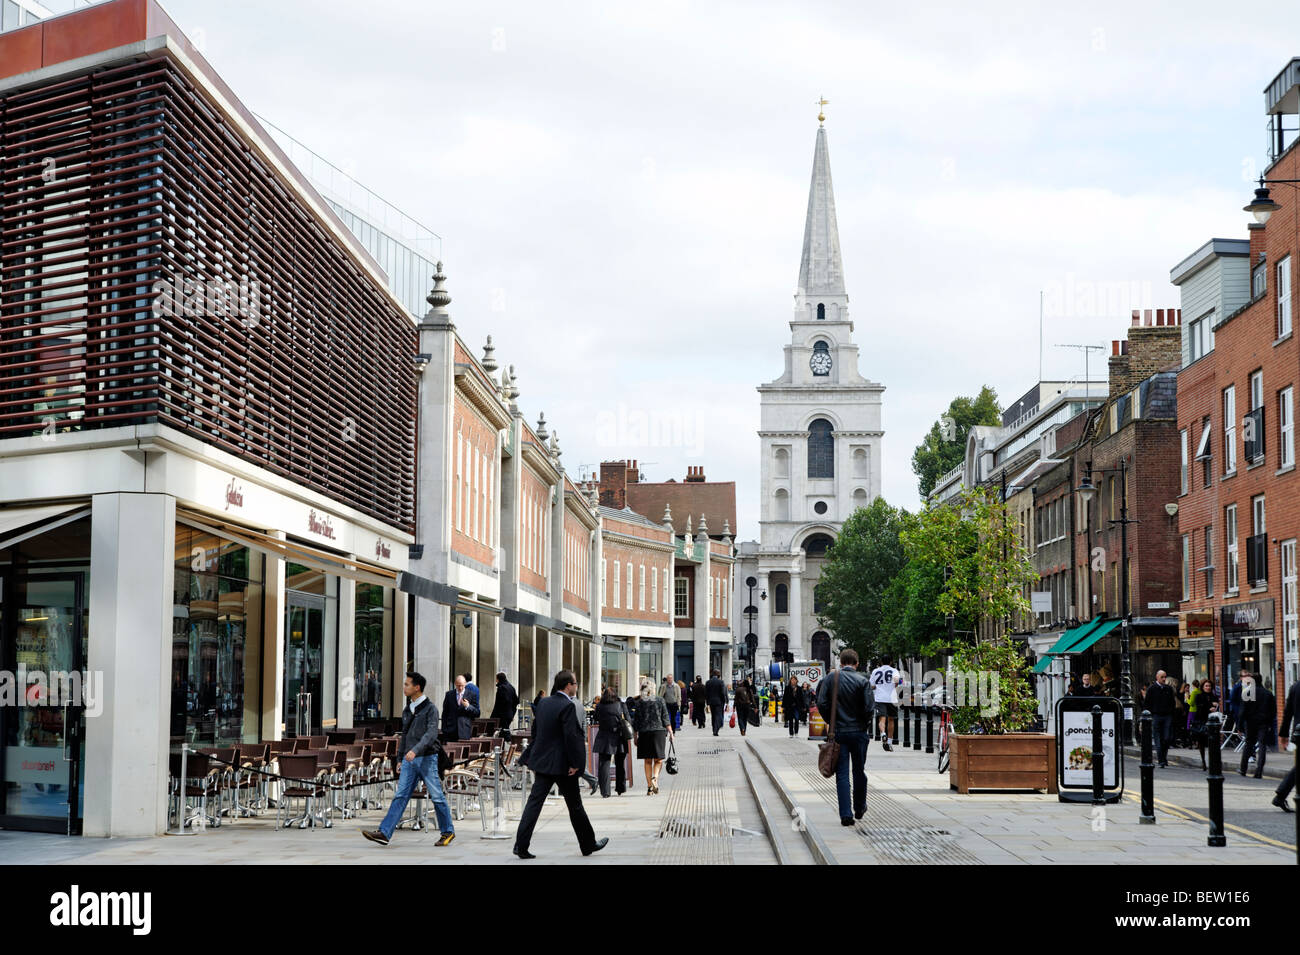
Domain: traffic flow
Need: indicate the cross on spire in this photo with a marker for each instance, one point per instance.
(822, 103)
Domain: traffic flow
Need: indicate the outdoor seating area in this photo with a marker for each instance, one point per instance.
(308, 782)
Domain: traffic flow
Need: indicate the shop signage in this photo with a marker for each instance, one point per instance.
(1074, 748)
(1157, 604)
(320, 524)
(1040, 601)
(382, 549)
(1242, 617)
(1196, 623)
(807, 672)
(1149, 642)
(234, 494)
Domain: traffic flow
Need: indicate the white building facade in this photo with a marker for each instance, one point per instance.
(820, 448)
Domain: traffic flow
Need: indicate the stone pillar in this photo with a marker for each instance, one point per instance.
(273, 703)
(633, 666)
(702, 609)
(593, 667)
(434, 437)
(350, 695)
(763, 620)
(508, 634)
(796, 612)
(391, 699)
(128, 721)
(486, 665)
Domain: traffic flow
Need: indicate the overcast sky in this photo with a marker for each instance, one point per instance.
(621, 188)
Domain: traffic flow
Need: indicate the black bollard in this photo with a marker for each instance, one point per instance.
(1098, 777)
(916, 729)
(1212, 741)
(929, 729)
(907, 730)
(1148, 814)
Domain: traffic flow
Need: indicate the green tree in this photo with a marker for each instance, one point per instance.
(912, 622)
(859, 568)
(972, 540)
(938, 453)
(1003, 700)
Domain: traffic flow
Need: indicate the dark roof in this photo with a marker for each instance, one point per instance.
(716, 500)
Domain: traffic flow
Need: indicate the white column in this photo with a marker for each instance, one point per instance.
(273, 646)
(132, 559)
(391, 699)
(508, 525)
(593, 666)
(349, 693)
(763, 619)
(486, 663)
(796, 612)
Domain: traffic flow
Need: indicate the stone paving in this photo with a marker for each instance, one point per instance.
(709, 814)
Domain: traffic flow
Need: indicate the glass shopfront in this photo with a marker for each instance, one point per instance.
(372, 630)
(652, 661)
(1248, 642)
(310, 650)
(216, 641)
(44, 633)
(613, 666)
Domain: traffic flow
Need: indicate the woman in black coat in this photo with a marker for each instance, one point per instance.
(745, 704)
(610, 744)
(790, 706)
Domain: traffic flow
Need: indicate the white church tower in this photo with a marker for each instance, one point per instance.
(820, 442)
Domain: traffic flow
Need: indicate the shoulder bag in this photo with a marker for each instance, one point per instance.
(670, 764)
(828, 753)
(625, 730)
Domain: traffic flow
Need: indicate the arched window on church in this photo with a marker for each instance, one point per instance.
(816, 545)
(782, 598)
(821, 311)
(821, 449)
(781, 505)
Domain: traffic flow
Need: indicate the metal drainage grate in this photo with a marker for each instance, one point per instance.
(919, 844)
(707, 827)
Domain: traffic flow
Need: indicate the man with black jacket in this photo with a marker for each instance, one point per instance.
(1290, 711)
(1258, 717)
(557, 755)
(698, 696)
(1159, 702)
(715, 694)
(505, 706)
(848, 696)
(420, 761)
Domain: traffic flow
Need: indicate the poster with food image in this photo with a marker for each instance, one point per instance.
(1076, 732)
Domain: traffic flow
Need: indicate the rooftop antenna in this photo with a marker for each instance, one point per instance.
(1087, 381)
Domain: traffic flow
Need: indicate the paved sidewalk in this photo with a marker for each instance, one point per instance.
(708, 814)
(704, 814)
(913, 817)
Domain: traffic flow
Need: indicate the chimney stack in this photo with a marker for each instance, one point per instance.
(695, 474)
(613, 484)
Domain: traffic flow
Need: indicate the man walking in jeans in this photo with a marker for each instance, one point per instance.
(852, 704)
(420, 761)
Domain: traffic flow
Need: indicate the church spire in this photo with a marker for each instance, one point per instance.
(821, 270)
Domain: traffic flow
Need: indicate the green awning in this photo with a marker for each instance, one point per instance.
(1069, 640)
(1088, 639)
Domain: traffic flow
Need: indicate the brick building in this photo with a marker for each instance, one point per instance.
(1239, 514)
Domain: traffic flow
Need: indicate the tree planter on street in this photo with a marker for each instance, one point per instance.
(1003, 761)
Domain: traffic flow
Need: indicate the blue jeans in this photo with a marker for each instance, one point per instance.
(426, 768)
(853, 755)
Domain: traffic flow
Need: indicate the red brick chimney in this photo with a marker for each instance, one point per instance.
(1256, 230)
(1154, 344)
(633, 473)
(613, 484)
(695, 474)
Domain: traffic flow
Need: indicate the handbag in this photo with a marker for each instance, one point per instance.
(828, 753)
(670, 764)
(732, 724)
(625, 731)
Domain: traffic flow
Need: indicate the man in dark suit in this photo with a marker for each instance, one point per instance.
(459, 711)
(557, 755)
(506, 705)
(715, 694)
(697, 702)
(1258, 720)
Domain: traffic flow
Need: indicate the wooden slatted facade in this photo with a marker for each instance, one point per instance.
(122, 184)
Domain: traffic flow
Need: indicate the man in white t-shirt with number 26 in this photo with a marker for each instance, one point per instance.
(885, 681)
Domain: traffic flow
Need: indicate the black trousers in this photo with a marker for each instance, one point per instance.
(1288, 783)
(1256, 745)
(620, 771)
(717, 710)
(697, 715)
(569, 789)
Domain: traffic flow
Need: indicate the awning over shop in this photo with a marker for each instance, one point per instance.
(1095, 634)
(288, 550)
(17, 524)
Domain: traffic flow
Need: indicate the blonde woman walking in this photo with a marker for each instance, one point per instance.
(653, 730)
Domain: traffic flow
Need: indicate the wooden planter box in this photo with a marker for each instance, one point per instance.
(1009, 761)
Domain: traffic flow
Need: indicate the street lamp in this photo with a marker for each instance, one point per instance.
(1261, 207)
(751, 639)
(1087, 492)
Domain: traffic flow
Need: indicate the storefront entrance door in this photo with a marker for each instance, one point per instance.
(43, 630)
(304, 627)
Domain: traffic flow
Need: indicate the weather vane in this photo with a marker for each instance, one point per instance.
(821, 112)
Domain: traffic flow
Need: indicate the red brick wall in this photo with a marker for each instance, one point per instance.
(625, 553)
(534, 521)
(1244, 344)
(577, 567)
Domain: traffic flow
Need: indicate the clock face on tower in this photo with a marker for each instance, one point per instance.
(820, 363)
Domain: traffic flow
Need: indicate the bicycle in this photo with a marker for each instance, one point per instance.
(945, 735)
